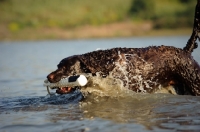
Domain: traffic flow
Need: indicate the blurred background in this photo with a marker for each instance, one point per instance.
(74, 19)
(64, 28)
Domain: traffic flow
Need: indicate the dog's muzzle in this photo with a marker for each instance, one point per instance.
(65, 85)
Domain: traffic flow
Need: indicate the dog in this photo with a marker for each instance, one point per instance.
(143, 70)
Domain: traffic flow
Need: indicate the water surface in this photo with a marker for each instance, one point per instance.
(25, 105)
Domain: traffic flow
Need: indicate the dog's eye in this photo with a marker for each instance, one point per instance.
(61, 67)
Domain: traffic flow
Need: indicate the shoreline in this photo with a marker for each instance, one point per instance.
(113, 30)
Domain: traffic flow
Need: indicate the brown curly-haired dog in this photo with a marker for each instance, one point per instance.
(141, 69)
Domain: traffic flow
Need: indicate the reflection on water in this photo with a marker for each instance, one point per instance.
(25, 105)
(158, 111)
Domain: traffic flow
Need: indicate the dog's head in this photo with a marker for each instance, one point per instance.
(67, 67)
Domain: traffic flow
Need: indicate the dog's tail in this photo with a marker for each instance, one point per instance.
(192, 44)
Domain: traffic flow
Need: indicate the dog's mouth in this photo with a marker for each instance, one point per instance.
(64, 90)
(61, 90)
(67, 84)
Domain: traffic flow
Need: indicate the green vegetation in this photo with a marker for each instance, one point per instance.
(61, 13)
(29, 16)
(165, 13)
(142, 9)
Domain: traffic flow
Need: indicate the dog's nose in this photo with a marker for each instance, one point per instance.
(50, 77)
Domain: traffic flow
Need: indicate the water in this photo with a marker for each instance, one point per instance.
(25, 105)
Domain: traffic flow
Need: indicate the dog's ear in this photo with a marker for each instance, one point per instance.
(97, 62)
(71, 65)
(86, 66)
(75, 65)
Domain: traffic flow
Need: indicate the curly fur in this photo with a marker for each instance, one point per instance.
(191, 44)
(151, 67)
(156, 66)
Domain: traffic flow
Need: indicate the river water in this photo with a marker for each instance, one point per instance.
(25, 105)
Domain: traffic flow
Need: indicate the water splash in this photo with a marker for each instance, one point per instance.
(126, 79)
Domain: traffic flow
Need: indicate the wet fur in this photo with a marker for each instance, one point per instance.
(157, 66)
(150, 67)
